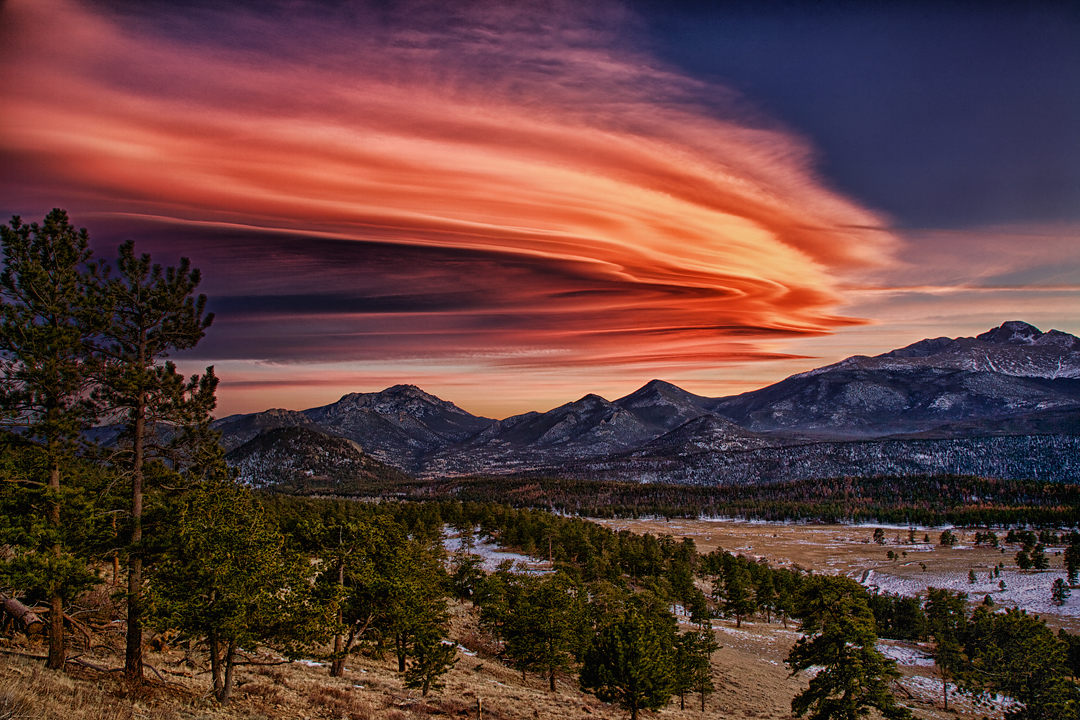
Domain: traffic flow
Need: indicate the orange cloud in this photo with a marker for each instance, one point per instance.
(642, 216)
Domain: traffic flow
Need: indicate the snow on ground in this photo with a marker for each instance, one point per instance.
(929, 687)
(491, 555)
(1025, 589)
(905, 655)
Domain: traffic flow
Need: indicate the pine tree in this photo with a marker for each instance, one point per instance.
(1016, 654)
(227, 578)
(1072, 559)
(413, 602)
(693, 665)
(946, 613)
(154, 312)
(738, 593)
(46, 323)
(629, 662)
(838, 635)
(1060, 592)
(431, 659)
(1038, 558)
(544, 627)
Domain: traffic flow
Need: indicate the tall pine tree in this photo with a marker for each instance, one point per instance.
(154, 313)
(46, 322)
(838, 635)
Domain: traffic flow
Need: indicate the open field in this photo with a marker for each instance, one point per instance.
(850, 550)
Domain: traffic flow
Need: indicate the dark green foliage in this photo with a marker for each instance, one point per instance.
(1015, 654)
(228, 580)
(431, 658)
(946, 614)
(1071, 643)
(737, 597)
(1072, 558)
(948, 538)
(544, 628)
(1060, 592)
(693, 664)
(630, 663)
(839, 636)
(1039, 560)
(153, 312)
(898, 617)
(47, 323)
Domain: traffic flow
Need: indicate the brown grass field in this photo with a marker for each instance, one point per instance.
(751, 678)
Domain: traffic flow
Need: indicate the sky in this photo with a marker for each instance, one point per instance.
(511, 205)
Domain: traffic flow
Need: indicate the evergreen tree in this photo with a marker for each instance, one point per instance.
(765, 594)
(545, 626)
(227, 578)
(348, 548)
(738, 593)
(414, 600)
(693, 665)
(1015, 654)
(154, 312)
(629, 662)
(495, 595)
(432, 657)
(46, 324)
(1060, 592)
(946, 613)
(838, 635)
(1072, 559)
(1038, 558)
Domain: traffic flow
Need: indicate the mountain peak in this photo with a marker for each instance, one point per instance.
(1014, 332)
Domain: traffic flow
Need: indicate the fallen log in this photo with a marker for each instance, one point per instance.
(29, 619)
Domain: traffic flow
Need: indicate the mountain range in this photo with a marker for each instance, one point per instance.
(1005, 404)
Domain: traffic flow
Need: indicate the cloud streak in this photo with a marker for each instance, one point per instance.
(505, 185)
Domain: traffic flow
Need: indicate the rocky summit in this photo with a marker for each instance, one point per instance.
(1005, 403)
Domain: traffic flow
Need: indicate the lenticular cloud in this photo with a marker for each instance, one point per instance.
(529, 133)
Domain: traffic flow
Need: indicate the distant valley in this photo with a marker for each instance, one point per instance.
(1003, 404)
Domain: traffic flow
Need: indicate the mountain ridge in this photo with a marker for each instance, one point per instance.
(1013, 380)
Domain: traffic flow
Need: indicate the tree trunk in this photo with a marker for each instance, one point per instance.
(399, 641)
(215, 664)
(551, 678)
(337, 667)
(133, 658)
(57, 654)
(115, 555)
(227, 686)
(31, 623)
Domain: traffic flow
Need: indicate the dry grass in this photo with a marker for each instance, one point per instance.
(751, 679)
